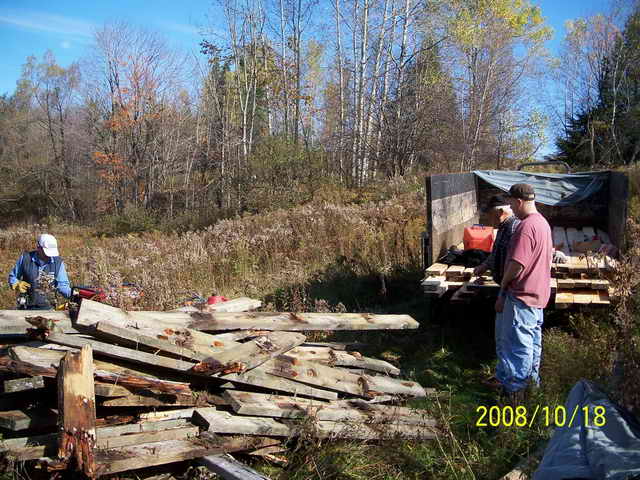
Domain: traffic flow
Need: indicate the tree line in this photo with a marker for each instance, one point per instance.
(290, 97)
(600, 73)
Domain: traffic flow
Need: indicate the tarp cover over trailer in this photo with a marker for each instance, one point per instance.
(453, 202)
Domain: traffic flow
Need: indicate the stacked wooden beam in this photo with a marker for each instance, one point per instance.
(129, 390)
(582, 280)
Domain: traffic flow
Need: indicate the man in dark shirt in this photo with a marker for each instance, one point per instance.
(502, 218)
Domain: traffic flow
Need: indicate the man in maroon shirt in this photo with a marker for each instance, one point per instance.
(524, 292)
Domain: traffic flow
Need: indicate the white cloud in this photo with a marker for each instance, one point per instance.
(65, 44)
(182, 28)
(49, 23)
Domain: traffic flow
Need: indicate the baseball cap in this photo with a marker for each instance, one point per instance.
(497, 201)
(49, 244)
(523, 191)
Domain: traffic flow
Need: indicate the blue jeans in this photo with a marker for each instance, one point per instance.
(518, 344)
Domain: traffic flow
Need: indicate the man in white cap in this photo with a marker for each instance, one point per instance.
(25, 275)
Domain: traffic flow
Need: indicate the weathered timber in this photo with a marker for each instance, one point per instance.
(160, 453)
(164, 400)
(241, 304)
(229, 468)
(224, 422)
(255, 404)
(145, 437)
(23, 384)
(37, 361)
(360, 385)
(256, 376)
(260, 377)
(13, 322)
(251, 354)
(165, 415)
(23, 420)
(37, 446)
(437, 269)
(94, 312)
(77, 411)
(122, 353)
(131, 337)
(343, 346)
(109, 390)
(332, 357)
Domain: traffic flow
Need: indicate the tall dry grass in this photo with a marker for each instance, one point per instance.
(252, 255)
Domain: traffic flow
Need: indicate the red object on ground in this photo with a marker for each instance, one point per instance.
(212, 300)
(478, 237)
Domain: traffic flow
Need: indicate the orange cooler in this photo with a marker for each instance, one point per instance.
(478, 237)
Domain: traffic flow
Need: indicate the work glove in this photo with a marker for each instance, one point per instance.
(63, 306)
(21, 286)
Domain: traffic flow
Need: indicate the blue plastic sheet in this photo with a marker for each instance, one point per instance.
(591, 447)
(558, 189)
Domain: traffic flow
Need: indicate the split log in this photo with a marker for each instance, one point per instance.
(256, 404)
(77, 409)
(14, 322)
(224, 422)
(94, 312)
(331, 357)
(37, 361)
(38, 446)
(130, 337)
(360, 385)
(251, 354)
(241, 304)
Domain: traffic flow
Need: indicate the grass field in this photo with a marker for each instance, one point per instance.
(354, 257)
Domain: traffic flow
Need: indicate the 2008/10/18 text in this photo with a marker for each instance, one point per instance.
(520, 416)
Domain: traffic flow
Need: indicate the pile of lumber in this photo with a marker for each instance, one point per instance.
(583, 280)
(111, 391)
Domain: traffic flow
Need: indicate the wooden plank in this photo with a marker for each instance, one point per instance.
(256, 404)
(77, 408)
(251, 354)
(260, 377)
(563, 299)
(224, 422)
(434, 281)
(129, 337)
(93, 312)
(241, 304)
(455, 272)
(13, 322)
(23, 420)
(37, 446)
(24, 384)
(128, 354)
(146, 437)
(327, 377)
(560, 240)
(152, 401)
(164, 415)
(46, 363)
(437, 269)
(336, 358)
(160, 453)
(108, 390)
(229, 468)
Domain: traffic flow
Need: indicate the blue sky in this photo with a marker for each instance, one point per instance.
(30, 27)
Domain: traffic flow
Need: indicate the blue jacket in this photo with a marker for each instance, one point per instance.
(61, 281)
